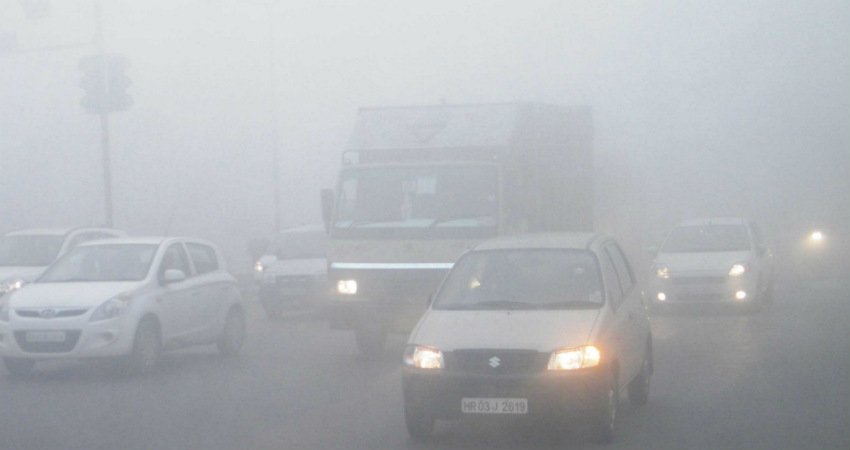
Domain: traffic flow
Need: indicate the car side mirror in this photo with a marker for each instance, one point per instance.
(327, 205)
(173, 276)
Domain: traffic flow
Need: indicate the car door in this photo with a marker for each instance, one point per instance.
(619, 320)
(633, 310)
(176, 298)
(212, 286)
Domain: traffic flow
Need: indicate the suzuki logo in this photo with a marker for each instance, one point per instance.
(47, 313)
(495, 361)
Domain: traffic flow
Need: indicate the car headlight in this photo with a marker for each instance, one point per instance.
(346, 287)
(423, 357)
(816, 236)
(738, 269)
(258, 267)
(111, 308)
(661, 271)
(11, 285)
(574, 358)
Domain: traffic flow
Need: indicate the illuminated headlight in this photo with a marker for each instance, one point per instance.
(423, 357)
(661, 296)
(346, 287)
(816, 236)
(661, 271)
(258, 267)
(574, 358)
(4, 312)
(11, 285)
(740, 295)
(738, 269)
(111, 308)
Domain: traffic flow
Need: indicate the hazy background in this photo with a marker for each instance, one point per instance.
(701, 108)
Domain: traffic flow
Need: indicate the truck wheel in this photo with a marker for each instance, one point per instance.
(370, 342)
(19, 367)
(420, 424)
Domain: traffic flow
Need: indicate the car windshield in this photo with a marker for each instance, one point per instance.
(301, 245)
(108, 262)
(29, 250)
(707, 238)
(522, 279)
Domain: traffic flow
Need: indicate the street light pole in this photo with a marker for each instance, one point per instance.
(275, 114)
(104, 115)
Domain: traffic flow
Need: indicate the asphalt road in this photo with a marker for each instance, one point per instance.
(774, 380)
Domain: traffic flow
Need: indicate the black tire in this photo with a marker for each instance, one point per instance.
(370, 342)
(420, 424)
(19, 367)
(147, 347)
(233, 335)
(604, 424)
(638, 388)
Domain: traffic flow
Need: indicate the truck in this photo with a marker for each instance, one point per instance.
(420, 185)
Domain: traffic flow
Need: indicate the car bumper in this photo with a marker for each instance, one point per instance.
(38, 338)
(549, 394)
(704, 289)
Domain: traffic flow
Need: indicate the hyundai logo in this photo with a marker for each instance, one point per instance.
(495, 361)
(47, 313)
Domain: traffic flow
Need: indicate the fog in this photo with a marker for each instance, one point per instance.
(700, 108)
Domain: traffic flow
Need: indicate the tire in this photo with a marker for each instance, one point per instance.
(19, 367)
(233, 335)
(604, 424)
(147, 347)
(370, 342)
(420, 424)
(638, 388)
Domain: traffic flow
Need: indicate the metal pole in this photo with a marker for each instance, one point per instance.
(104, 116)
(274, 112)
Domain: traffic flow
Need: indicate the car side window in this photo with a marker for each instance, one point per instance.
(174, 258)
(624, 273)
(609, 277)
(204, 257)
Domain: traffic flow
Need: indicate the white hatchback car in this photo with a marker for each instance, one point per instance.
(129, 298)
(714, 260)
(546, 326)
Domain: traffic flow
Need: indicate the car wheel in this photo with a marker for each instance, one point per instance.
(370, 342)
(19, 367)
(638, 388)
(604, 424)
(233, 335)
(420, 424)
(147, 347)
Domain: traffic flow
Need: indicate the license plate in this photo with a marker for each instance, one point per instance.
(494, 406)
(45, 336)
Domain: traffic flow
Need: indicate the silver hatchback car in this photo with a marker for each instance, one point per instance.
(549, 326)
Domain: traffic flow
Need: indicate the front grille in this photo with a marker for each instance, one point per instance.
(698, 280)
(71, 338)
(496, 362)
(38, 313)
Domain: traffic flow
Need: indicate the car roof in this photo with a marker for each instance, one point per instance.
(154, 240)
(714, 221)
(561, 240)
(57, 231)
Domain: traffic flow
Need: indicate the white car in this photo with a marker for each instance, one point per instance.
(294, 270)
(25, 254)
(128, 298)
(547, 326)
(722, 260)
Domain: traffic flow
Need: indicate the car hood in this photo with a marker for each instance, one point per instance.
(26, 273)
(703, 262)
(537, 330)
(313, 266)
(69, 295)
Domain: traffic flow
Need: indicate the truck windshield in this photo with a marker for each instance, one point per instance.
(29, 250)
(430, 198)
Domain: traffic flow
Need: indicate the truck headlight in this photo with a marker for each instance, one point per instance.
(111, 308)
(423, 357)
(348, 287)
(574, 358)
(738, 269)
